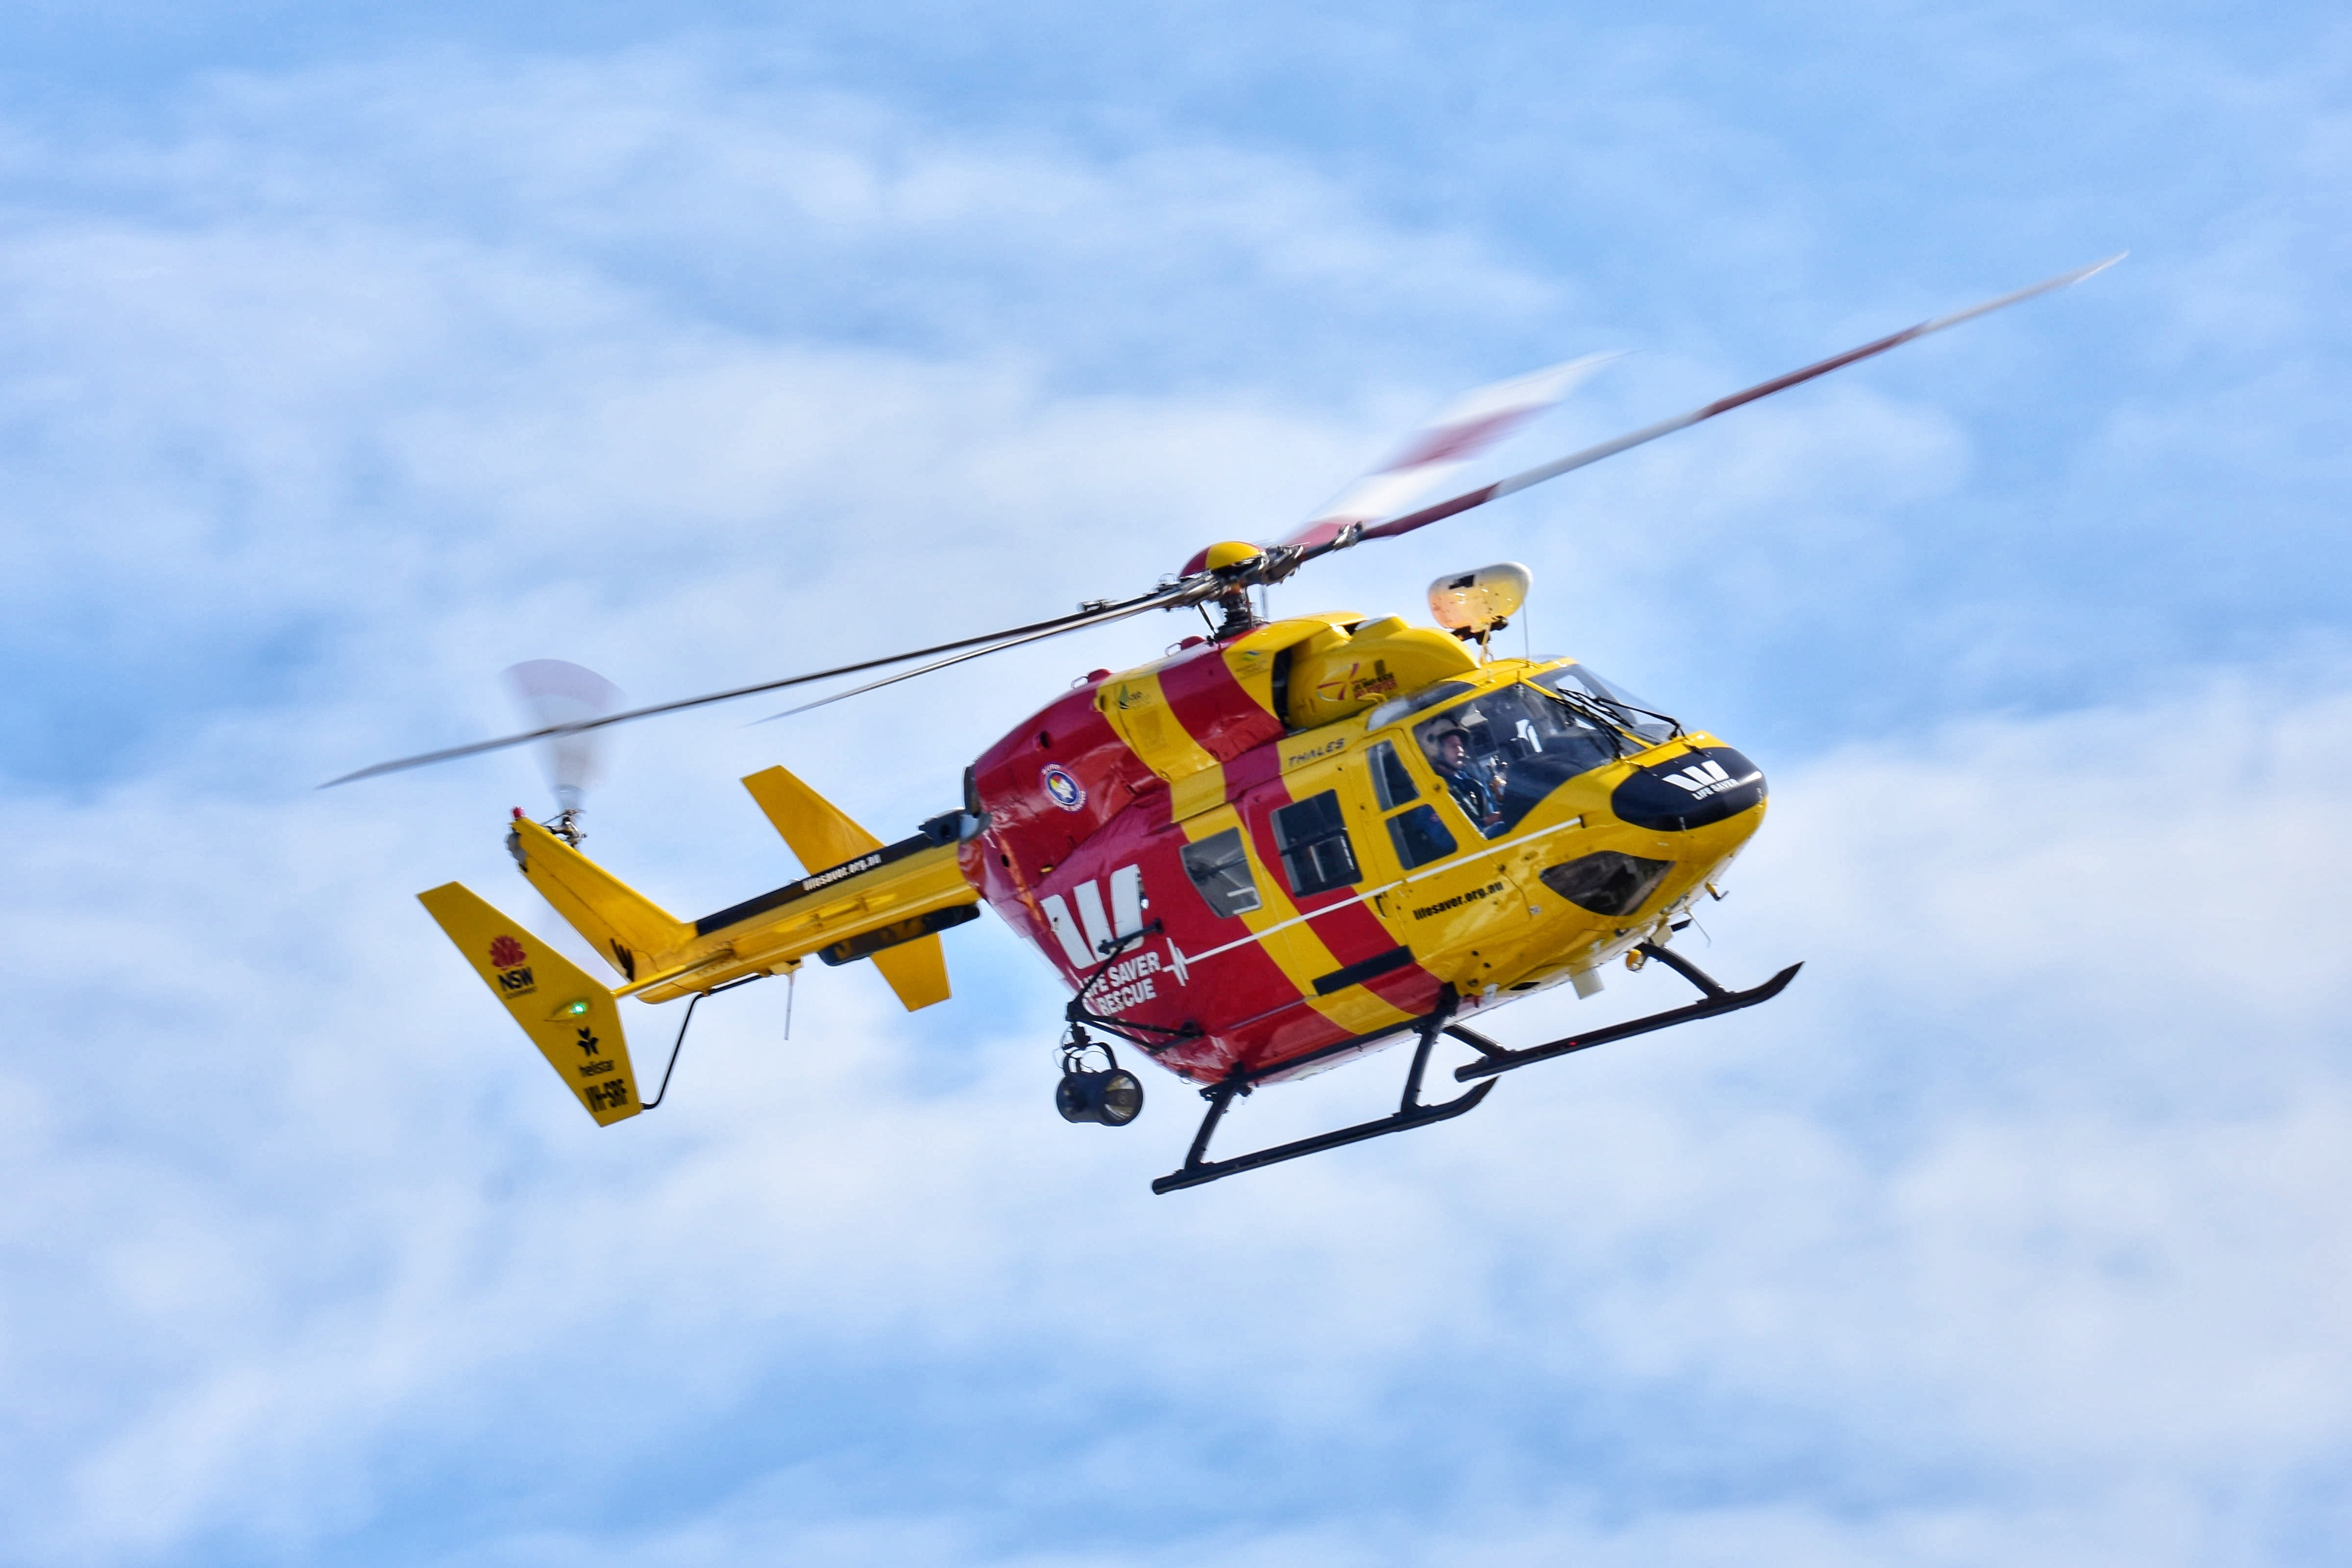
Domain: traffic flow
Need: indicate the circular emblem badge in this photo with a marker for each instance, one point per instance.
(1065, 791)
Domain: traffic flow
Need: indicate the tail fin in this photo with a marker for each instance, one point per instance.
(917, 971)
(574, 1022)
(823, 836)
(618, 921)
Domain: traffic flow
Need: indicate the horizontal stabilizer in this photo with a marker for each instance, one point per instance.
(573, 1021)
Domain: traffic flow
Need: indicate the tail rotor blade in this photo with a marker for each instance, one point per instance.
(554, 696)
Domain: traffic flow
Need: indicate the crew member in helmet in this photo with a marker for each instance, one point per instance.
(1480, 797)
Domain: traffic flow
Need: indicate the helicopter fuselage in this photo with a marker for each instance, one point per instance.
(1235, 894)
(1269, 851)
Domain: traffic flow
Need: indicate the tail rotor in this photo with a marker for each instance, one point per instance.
(554, 695)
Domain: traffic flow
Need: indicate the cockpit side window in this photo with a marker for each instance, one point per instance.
(1412, 702)
(1219, 866)
(1312, 838)
(1391, 783)
(1418, 836)
(1500, 754)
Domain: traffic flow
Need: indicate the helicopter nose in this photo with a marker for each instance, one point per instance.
(1704, 784)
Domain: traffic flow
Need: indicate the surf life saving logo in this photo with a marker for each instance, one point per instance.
(1062, 789)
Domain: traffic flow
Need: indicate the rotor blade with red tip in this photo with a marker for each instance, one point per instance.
(1610, 448)
(1456, 432)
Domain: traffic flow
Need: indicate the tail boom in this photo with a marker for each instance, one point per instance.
(896, 895)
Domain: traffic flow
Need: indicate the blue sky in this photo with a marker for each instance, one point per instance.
(346, 358)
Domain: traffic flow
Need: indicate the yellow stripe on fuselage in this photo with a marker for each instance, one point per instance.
(1293, 943)
(1137, 709)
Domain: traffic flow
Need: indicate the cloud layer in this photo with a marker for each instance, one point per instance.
(2013, 1232)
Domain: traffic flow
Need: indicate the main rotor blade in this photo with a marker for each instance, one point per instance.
(1097, 615)
(832, 697)
(1448, 438)
(1610, 448)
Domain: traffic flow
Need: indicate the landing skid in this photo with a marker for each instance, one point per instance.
(1410, 1114)
(1714, 1000)
(1198, 1169)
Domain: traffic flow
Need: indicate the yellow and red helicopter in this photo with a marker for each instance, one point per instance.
(1283, 846)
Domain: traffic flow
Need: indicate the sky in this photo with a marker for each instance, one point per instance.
(348, 356)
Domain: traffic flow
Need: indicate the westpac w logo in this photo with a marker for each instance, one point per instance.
(1702, 779)
(1100, 929)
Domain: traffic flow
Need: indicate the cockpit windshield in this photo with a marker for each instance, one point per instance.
(1498, 755)
(1577, 682)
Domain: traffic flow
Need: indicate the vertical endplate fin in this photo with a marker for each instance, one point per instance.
(574, 1022)
(821, 835)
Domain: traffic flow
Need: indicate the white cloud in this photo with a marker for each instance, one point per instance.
(2029, 1185)
(2013, 1226)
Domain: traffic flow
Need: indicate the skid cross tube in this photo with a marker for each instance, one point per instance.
(1714, 1000)
(1410, 1114)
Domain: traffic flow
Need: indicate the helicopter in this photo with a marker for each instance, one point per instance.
(1285, 844)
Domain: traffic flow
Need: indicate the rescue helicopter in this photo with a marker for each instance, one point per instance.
(1285, 844)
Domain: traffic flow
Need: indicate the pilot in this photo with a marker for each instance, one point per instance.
(1478, 797)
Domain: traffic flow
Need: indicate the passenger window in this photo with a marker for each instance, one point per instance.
(1419, 836)
(1219, 866)
(1313, 838)
(1391, 783)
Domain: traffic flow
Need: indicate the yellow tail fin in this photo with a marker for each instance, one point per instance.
(823, 836)
(619, 922)
(917, 971)
(574, 1022)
